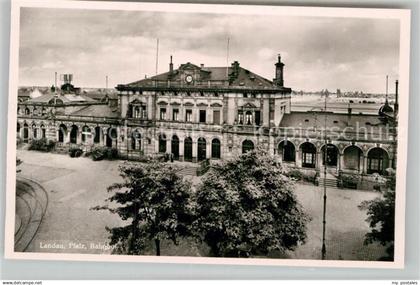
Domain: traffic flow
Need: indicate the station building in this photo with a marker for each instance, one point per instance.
(197, 112)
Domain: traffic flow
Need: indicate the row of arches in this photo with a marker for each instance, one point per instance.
(353, 156)
(27, 132)
(41, 111)
(85, 134)
(188, 145)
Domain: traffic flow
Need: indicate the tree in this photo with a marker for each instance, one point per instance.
(246, 206)
(381, 218)
(155, 200)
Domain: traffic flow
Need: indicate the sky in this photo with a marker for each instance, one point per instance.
(318, 52)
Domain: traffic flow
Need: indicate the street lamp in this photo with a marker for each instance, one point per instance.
(324, 211)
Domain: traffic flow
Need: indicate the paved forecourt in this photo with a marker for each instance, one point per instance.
(75, 185)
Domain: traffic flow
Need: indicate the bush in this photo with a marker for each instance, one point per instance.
(42, 145)
(295, 174)
(75, 152)
(100, 153)
(349, 181)
(204, 167)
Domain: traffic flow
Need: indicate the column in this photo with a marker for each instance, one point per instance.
(194, 151)
(298, 160)
(181, 149)
(365, 165)
(168, 145)
(341, 161)
(208, 149)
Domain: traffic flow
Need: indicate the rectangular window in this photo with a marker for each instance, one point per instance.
(188, 115)
(163, 113)
(216, 117)
(240, 117)
(257, 118)
(143, 112)
(202, 116)
(175, 114)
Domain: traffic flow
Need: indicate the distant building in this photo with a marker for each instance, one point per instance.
(197, 112)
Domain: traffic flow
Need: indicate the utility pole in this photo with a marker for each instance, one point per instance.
(324, 222)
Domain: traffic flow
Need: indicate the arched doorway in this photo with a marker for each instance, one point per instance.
(73, 134)
(162, 143)
(331, 156)
(62, 133)
(215, 148)
(98, 133)
(34, 131)
(86, 133)
(308, 155)
(111, 137)
(287, 151)
(247, 145)
(135, 140)
(352, 158)
(25, 133)
(175, 146)
(378, 161)
(43, 132)
(201, 149)
(188, 149)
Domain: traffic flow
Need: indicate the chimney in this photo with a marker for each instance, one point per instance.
(349, 110)
(396, 98)
(171, 66)
(202, 65)
(235, 68)
(278, 80)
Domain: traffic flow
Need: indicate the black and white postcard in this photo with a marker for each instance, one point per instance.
(195, 133)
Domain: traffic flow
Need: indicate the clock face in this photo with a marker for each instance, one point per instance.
(189, 79)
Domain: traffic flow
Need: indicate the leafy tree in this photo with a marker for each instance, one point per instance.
(381, 218)
(246, 206)
(155, 200)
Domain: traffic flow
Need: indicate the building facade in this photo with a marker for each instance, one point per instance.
(198, 112)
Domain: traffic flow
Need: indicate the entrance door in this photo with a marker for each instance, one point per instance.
(188, 149)
(201, 149)
(175, 147)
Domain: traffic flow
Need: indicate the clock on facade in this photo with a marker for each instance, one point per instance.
(188, 78)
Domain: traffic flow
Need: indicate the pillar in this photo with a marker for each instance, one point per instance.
(168, 146)
(208, 149)
(298, 160)
(194, 151)
(365, 164)
(181, 149)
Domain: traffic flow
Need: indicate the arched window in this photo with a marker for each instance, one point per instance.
(27, 111)
(378, 161)
(248, 118)
(331, 156)
(111, 137)
(308, 155)
(162, 143)
(25, 133)
(215, 148)
(353, 158)
(135, 140)
(188, 149)
(62, 133)
(35, 131)
(86, 133)
(98, 133)
(201, 149)
(287, 151)
(247, 145)
(18, 128)
(175, 147)
(73, 134)
(43, 132)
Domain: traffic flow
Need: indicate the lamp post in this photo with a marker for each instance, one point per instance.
(324, 209)
(324, 222)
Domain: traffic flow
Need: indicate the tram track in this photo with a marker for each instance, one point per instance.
(35, 202)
